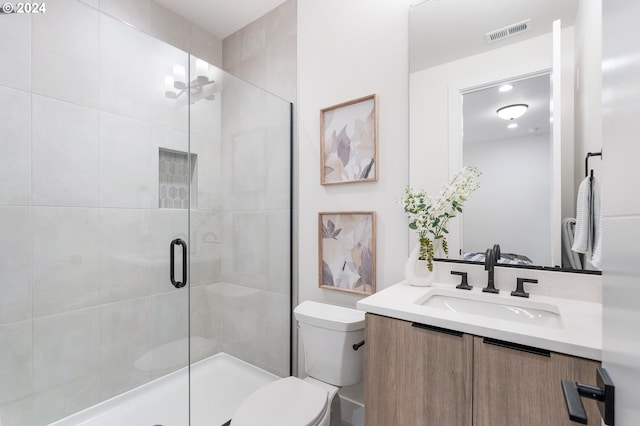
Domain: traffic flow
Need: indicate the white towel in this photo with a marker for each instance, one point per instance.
(570, 259)
(596, 252)
(587, 238)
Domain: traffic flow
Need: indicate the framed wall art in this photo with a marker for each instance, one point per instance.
(347, 251)
(349, 142)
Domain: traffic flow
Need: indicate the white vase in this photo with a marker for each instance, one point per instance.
(416, 271)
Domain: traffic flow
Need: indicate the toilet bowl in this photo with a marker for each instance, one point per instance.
(289, 401)
(328, 334)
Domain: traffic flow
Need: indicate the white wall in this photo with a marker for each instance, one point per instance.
(588, 87)
(431, 89)
(347, 50)
(511, 167)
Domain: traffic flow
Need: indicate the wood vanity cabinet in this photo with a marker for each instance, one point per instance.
(415, 375)
(420, 375)
(514, 387)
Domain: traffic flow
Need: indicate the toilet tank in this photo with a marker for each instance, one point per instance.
(328, 334)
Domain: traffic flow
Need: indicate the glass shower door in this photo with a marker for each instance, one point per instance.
(145, 175)
(240, 226)
(95, 173)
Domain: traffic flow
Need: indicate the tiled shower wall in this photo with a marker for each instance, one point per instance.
(256, 211)
(82, 298)
(156, 20)
(177, 173)
(265, 51)
(242, 306)
(85, 294)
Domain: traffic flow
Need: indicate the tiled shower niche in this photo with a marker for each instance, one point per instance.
(175, 175)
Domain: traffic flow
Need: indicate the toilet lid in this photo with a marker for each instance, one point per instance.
(285, 402)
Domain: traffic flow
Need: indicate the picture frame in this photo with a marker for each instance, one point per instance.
(349, 142)
(347, 251)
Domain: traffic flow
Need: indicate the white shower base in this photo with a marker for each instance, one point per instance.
(218, 385)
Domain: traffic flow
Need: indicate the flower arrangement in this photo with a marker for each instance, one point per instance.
(429, 217)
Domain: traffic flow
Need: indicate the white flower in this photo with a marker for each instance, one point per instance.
(428, 217)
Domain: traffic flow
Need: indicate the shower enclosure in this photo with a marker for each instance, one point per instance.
(145, 210)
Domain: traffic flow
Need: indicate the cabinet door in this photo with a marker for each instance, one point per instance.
(416, 374)
(514, 387)
(380, 370)
(435, 376)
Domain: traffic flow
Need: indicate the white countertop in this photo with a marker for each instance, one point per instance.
(579, 334)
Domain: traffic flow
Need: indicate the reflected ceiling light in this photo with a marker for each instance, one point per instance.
(201, 87)
(505, 88)
(512, 125)
(511, 112)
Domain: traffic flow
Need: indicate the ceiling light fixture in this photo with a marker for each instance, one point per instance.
(512, 125)
(511, 112)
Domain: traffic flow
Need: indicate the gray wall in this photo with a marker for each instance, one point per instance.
(264, 52)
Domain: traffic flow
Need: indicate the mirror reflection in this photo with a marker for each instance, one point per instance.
(527, 188)
(514, 154)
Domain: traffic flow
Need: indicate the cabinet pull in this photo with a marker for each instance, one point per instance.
(516, 347)
(437, 329)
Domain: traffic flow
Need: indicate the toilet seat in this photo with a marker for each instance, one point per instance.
(285, 402)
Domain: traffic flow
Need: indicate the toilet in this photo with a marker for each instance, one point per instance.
(328, 333)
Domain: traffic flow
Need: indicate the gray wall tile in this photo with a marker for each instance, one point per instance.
(15, 264)
(15, 152)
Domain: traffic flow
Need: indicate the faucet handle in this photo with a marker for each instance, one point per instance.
(464, 284)
(519, 291)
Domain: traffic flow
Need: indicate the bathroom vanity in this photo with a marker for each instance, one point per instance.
(442, 356)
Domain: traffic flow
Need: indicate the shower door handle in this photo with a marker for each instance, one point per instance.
(172, 263)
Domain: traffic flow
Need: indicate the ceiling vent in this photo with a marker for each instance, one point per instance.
(507, 32)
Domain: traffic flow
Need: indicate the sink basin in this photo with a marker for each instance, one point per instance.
(521, 311)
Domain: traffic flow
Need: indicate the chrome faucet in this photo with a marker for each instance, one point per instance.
(491, 257)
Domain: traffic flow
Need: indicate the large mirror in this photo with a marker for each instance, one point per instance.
(461, 52)
(515, 156)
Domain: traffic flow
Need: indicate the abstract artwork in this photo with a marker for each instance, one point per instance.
(349, 142)
(347, 251)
